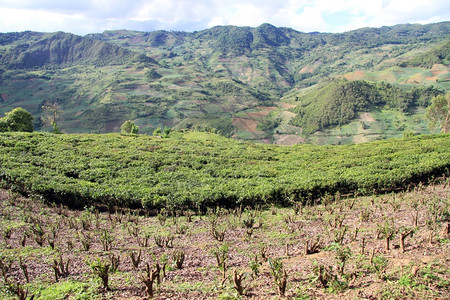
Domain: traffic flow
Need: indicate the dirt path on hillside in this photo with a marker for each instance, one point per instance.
(366, 117)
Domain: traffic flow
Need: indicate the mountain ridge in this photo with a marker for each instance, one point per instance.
(61, 48)
(170, 78)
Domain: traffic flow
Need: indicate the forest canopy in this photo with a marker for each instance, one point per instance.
(339, 101)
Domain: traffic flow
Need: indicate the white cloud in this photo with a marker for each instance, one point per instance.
(309, 19)
(84, 16)
(25, 19)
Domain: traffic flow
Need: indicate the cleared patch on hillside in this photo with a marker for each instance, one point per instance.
(112, 126)
(287, 105)
(263, 112)
(438, 71)
(366, 117)
(288, 139)
(245, 124)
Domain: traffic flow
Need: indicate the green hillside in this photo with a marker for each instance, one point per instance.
(238, 81)
(33, 50)
(437, 55)
(340, 101)
(206, 170)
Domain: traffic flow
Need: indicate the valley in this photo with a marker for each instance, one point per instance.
(208, 79)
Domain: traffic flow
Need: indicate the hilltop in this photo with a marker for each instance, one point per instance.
(243, 82)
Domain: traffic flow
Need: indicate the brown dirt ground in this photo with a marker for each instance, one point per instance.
(283, 233)
(112, 125)
(120, 97)
(437, 71)
(245, 124)
(288, 139)
(366, 117)
(306, 69)
(357, 75)
(264, 111)
(287, 105)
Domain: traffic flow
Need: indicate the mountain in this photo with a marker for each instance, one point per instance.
(34, 50)
(249, 83)
(437, 55)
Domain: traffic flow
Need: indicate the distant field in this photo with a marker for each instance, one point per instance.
(381, 124)
(438, 75)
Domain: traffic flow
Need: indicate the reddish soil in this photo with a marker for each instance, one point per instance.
(288, 139)
(250, 123)
(120, 97)
(245, 124)
(111, 126)
(260, 114)
(287, 105)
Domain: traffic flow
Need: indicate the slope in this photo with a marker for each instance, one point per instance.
(222, 79)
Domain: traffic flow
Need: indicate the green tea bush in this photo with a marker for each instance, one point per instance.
(199, 170)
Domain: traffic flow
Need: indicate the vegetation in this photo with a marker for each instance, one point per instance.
(17, 119)
(52, 115)
(438, 55)
(439, 112)
(189, 213)
(129, 127)
(211, 80)
(196, 169)
(340, 101)
(269, 264)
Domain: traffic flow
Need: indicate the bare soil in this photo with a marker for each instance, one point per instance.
(421, 272)
(288, 139)
(357, 75)
(245, 124)
(366, 117)
(287, 105)
(438, 70)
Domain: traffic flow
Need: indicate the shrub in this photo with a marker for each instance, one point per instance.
(279, 274)
(128, 127)
(17, 119)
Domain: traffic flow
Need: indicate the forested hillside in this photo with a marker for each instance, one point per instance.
(339, 102)
(238, 81)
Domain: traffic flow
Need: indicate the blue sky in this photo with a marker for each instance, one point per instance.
(92, 16)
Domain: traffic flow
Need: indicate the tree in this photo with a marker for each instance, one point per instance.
(157, 132)
(17, 119)
(152, 74)
(53, 112)
(3, 125)
(129, 127)
(166, 132)
(438, 113)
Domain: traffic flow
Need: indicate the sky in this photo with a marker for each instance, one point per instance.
(94, 16)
